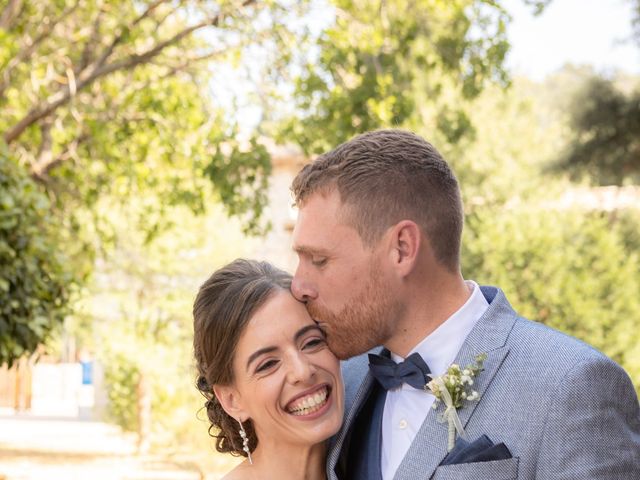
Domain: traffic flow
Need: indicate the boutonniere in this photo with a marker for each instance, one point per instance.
(453, 389)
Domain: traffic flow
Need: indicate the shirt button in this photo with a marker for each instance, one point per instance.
(402, 424)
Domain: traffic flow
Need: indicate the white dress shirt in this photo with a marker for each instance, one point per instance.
(406, 408)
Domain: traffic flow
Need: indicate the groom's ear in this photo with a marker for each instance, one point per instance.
(405, 246)
(231, 401)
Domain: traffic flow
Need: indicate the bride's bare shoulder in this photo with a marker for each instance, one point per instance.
(238, 473)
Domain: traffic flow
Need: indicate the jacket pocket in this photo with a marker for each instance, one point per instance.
(494, 470)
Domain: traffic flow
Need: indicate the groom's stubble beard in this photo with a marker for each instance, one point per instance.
(366, 321)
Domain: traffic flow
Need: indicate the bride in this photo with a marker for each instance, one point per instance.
(273, 388)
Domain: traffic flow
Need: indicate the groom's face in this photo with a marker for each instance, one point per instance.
(342, 281)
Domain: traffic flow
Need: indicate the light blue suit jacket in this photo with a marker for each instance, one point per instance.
(564, 410)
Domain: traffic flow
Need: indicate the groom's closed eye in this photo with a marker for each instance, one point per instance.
(318, 261)
(316, 256)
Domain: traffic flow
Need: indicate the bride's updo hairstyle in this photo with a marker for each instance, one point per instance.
(223, 307)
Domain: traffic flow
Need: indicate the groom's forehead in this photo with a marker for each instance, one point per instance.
(330, 243)
(322, 225)
(314, 215)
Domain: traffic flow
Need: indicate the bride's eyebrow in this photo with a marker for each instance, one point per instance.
(306, 329)
(257, 353)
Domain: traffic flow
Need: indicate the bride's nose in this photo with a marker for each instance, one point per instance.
(300, 369)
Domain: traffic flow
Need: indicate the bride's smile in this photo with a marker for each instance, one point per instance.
(286, 380)
(308, 403)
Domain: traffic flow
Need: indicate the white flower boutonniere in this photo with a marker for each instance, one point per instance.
(453, 389)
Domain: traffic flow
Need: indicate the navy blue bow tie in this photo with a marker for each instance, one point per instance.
(413, 371)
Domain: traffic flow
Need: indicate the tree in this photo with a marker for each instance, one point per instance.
(398, 63)
(93, 91)
(136, 319)
(545, 254)
(606, 123)
(606, 142)
(551, 267)
(112, 99)
(36, 280)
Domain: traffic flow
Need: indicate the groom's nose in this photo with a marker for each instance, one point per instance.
(302, 288)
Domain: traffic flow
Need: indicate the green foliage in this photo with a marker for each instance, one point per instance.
(605, 120)
(538, 5)
(242, 177)
(121, 375)
(606, 142)
(136, 316)
(515, 134)
(146, 123)
(575, 271)
(164, 363)
(36, 278)
(112, 100)
(425, 62)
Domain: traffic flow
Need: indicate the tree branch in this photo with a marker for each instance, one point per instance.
(148, 11)
(97, 70)
(40, 170)
(88, 50)
(25, 53)
(45, 153)
(187, 62)
(9, 14)
(118, 38)
(161, 20)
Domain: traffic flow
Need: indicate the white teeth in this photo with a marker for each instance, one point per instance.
(310, 404)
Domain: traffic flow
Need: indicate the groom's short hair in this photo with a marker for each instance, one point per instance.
(387, 176)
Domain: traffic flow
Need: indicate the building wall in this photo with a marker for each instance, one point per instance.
(276, 246)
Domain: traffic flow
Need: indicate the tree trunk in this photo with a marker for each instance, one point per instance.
(144, 413)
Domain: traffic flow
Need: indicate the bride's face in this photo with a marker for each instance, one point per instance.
(287, 381)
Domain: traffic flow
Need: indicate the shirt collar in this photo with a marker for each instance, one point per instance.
(441, 346)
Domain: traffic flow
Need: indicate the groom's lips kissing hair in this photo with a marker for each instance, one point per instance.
(309, 391)
(321, 325)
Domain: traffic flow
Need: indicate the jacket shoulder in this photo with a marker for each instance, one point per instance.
(550, 345)
(354, 373)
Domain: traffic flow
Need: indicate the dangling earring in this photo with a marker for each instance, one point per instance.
(245, 442)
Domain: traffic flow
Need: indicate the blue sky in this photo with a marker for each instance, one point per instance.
(595, 32)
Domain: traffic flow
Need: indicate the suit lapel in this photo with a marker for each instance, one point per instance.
(488, 336)
(338, 441)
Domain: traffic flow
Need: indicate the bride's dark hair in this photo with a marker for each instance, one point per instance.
(224, 305)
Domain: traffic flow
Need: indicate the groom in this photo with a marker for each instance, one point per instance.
(378, 241)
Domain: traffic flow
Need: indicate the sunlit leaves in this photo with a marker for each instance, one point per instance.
(380, 62)
(109, 102)
(569, 269)
(240, 174)
(36, 279)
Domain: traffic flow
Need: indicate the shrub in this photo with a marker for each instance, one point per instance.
(575, 271)
(35, 277)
